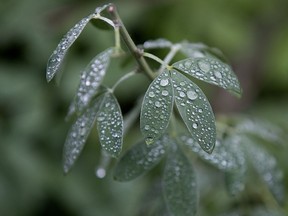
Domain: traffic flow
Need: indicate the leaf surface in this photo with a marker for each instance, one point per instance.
(140, 159)
(110, 125)
(157, 107)
(78, 134)
(179, 184)
(195, 111)
(212, 71)
(58, 55)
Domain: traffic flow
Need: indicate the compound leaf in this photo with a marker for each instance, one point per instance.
(211, 70)
(91, 79)
(140, 159)
(110, 125)
(195, 111)
(179, 184)
(58, 55)
(157, 107)
(78, 134)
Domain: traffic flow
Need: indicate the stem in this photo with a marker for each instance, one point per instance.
(126, 76)
(151, 56)
(174, 49)
(129, 42)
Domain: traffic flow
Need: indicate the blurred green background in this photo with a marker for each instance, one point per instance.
(252, 34)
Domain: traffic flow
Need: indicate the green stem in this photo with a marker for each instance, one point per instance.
(155, 58)
(136, 52)
(174, 49)
(126, 76)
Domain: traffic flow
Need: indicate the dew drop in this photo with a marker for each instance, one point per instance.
(151, 94)
(204, 66)
(218, 74)
(100, 172)
(165, 93)
(195, 125)
(100, 118)
(182, 94)
(157, 104)
(164, 82)
(146, 127)
(192, 95)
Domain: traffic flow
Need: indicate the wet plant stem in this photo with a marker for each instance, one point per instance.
(136, 52)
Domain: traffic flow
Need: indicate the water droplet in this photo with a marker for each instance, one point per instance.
(149, 140)
(182, 94)
(151, 94)
(165, 93)
(146, 127)
(218, 74)
(157, 104)
(164, 82)
(192, 95)
(195, 125)
(182, 83)
(100, 172)
(100, 118)
(200, 110)
(204, 66)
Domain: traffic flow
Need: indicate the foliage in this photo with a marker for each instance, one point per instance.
(235, 150)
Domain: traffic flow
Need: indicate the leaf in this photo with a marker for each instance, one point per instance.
(140, 159)
(222, 157)
(195, 111)
(179, 184)
(158, 43)
(236, 177)
(58, 55)
(78, 134)
(212, 71)
(157, 107)
(110, 125)
(266, 166)
(259, 128)
(91, 79)
(196, 50)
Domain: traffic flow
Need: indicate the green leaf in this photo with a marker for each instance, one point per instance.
(140, 159)
(212, 71)
(157, 107)
(179, 183)
(262, 129)
(236, 177)
(91, 79)
(222, 157)
(78, 134)
(197, 50)
(195, 111)
(110, 125)
(158, 43)
(266, 166)
(58, 55)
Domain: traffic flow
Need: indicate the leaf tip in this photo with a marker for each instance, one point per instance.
(149, 140)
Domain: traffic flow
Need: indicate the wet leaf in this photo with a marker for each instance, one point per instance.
(78, 134)
(262, 129)
(91, 79)
(236, 177)
(266, 166)
(157, 108)
(211, 70)
(110, 125)
(200, 50)
(222, 157)
(179, 184)
(58, 55)
(140, 159)
(195, 111)
(158, 43)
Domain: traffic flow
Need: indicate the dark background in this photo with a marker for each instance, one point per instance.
(252, 34)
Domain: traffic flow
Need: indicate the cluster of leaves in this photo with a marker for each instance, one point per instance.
(96, 103)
